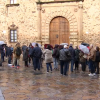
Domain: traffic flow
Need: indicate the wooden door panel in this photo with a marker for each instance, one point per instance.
(59, 31)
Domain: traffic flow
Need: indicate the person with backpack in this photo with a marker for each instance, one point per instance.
(36, 54)
(56, 56)
(76, 57)
(97, 60)
(65, 58)
(17, 52)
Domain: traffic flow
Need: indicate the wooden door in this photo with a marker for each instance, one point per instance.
(59, 31)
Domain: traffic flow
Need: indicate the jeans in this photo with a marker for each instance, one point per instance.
(36, 62)
(55, 61)
(64, 67)
(72, 64)
(16, 60)
(9, 59)
(91, 63)
(49, 65)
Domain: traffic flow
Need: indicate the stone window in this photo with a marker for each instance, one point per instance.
(13, 35)
(13, 1)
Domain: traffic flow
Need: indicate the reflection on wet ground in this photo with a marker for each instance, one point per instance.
(25, 84)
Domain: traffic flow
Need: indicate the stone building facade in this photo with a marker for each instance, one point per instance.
(31, 19)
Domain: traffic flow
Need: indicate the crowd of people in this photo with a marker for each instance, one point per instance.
(61, 56)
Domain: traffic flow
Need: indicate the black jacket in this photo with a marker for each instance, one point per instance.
(37, 52)
(97, 56)
(72, 51)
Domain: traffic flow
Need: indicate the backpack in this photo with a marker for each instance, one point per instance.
(68, 56)
(57, 54)
(18, 51)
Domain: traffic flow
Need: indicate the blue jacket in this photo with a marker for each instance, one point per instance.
(72, 51)
(37, 52)
(30, 51)
(9, 51)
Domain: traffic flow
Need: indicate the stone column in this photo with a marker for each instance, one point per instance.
(80, 22)
(39, 23)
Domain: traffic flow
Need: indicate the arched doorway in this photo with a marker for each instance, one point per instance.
(59, 31)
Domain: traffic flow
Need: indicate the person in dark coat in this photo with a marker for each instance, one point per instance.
(72, 52)
(30, 53)
(77, 51)
(97, 60)
(64, 63)
(2, 52)
(25, 57)
(36, 54)
(9, 53)
(55, 56)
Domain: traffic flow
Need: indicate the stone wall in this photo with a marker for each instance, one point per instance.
(23, 16)
(91, 21)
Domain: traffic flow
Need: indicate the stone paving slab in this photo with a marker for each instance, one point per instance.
(25, 84)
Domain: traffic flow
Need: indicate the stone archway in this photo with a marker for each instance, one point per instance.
(72, 24)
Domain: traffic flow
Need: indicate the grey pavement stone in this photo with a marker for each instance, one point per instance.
(1, 95)
(2, 98)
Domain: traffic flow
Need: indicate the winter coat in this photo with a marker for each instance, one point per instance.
(72, 51)
(77, 54)
(24, 47)
(37, 52)
(9, 51)
(25, 55)
(14, 53)
(63, 55)
(30, 51)
(97, 56)
(81, 57)
(56, 53)
(48, 56)
(2, 50)
(92, 54)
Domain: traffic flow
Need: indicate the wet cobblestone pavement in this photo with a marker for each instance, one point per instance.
(25, 84)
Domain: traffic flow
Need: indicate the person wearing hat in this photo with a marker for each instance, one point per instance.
(64, 58)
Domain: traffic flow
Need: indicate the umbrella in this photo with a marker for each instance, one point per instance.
(33, 44)
(64, 44)
(45, 46)
(2, 42)
(84, 49)
(85, 44)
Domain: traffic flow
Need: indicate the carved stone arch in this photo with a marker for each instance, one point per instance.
(73, 25)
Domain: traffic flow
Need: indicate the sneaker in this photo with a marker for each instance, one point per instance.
(12, 66)
(94, 74)
(47, 72)
(90, 74)
(18, 67)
